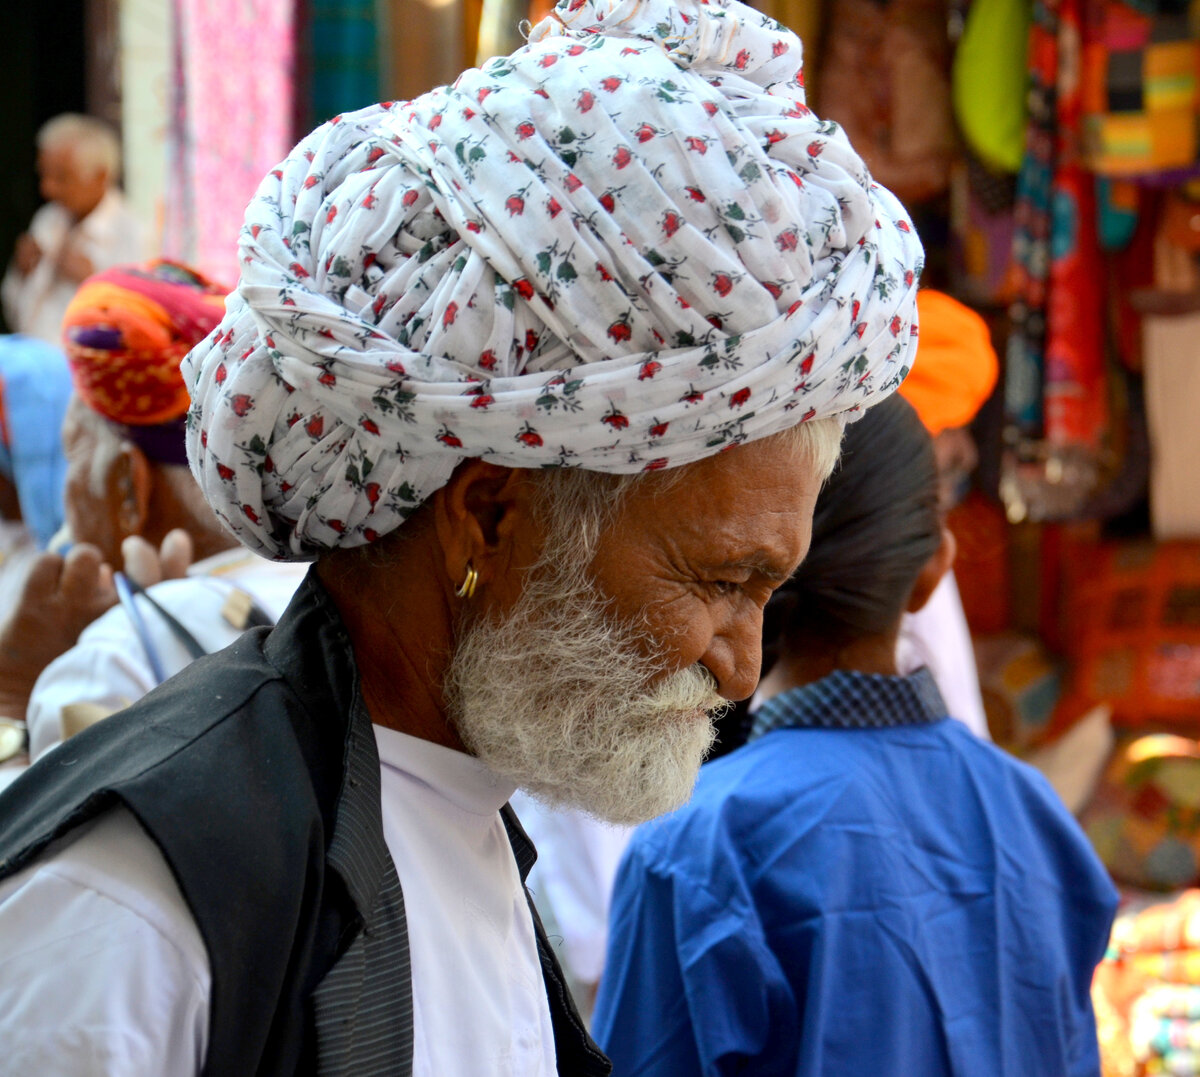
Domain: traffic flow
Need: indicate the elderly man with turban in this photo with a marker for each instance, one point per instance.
(544, 370)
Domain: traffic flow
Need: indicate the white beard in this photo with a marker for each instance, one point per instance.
(556, 697)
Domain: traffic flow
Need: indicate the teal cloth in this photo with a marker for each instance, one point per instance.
(344, 44)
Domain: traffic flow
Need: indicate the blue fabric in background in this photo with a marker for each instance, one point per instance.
(35, 387)
(344, 56)
(902, 900)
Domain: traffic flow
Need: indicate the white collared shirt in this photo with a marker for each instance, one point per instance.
(479, 998)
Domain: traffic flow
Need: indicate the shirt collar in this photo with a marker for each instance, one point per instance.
(463, 780)
(849, 700)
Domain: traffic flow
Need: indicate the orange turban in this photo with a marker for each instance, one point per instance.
(955, 368)
(125, 333)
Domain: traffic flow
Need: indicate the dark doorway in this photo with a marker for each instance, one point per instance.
(42, 73)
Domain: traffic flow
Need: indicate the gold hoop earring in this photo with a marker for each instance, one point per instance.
(467, 588)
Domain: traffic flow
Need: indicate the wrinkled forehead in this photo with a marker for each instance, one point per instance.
(752, 506)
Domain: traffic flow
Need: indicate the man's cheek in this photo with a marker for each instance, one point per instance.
(682, 628)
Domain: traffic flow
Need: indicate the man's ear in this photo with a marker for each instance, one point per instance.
(129, 485)
(485, 520)
(935, 568)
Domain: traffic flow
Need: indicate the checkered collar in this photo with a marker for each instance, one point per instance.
(850, 700)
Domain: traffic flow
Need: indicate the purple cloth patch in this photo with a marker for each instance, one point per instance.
(103, 337)
(163, 442)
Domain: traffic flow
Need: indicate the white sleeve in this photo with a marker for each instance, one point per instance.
(12, 297)
(102, 968)
(108, 667)
(939, 637)
(113, 235)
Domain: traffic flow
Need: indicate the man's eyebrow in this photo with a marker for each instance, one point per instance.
(764, 564)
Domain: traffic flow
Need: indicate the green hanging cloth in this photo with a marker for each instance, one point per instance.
(990, 81)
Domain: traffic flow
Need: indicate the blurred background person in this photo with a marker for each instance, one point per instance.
(84, 227)
(130, 494)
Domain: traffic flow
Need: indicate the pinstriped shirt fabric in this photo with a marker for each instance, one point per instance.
(850, 700)
(363, 1010)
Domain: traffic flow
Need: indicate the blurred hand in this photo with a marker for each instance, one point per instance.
(73, 263)
(26, 254)
(61, 597)
(146, 566)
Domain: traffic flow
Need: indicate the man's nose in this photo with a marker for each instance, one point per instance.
(735, 657)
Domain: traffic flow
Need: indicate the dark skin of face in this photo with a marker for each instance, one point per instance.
(697, 558)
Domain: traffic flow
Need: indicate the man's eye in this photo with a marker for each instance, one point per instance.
(726, 587)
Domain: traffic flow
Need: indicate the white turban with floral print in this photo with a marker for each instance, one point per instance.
(625, 247)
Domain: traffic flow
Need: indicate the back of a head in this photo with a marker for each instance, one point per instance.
(93, 143)
(876, 525)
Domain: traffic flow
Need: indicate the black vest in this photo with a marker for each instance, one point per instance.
(244, 769)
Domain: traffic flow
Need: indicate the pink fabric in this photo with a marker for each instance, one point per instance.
(232, 121)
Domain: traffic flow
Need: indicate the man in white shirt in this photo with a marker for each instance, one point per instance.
(84, 227)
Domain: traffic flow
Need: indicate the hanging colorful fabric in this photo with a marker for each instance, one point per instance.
(900, 120)
(232, 120)
(1141, 95)
(1054, 388)
(990, 79)
(344, 50)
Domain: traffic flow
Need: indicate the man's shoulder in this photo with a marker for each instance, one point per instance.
(104, 964)
(205, 740)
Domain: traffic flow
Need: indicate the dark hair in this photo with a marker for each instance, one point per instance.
(875, 526)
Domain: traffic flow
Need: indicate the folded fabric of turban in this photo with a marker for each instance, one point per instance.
(125, 332)
(955, 368)
(626, 246)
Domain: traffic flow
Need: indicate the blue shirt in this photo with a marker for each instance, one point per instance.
(864, 889)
